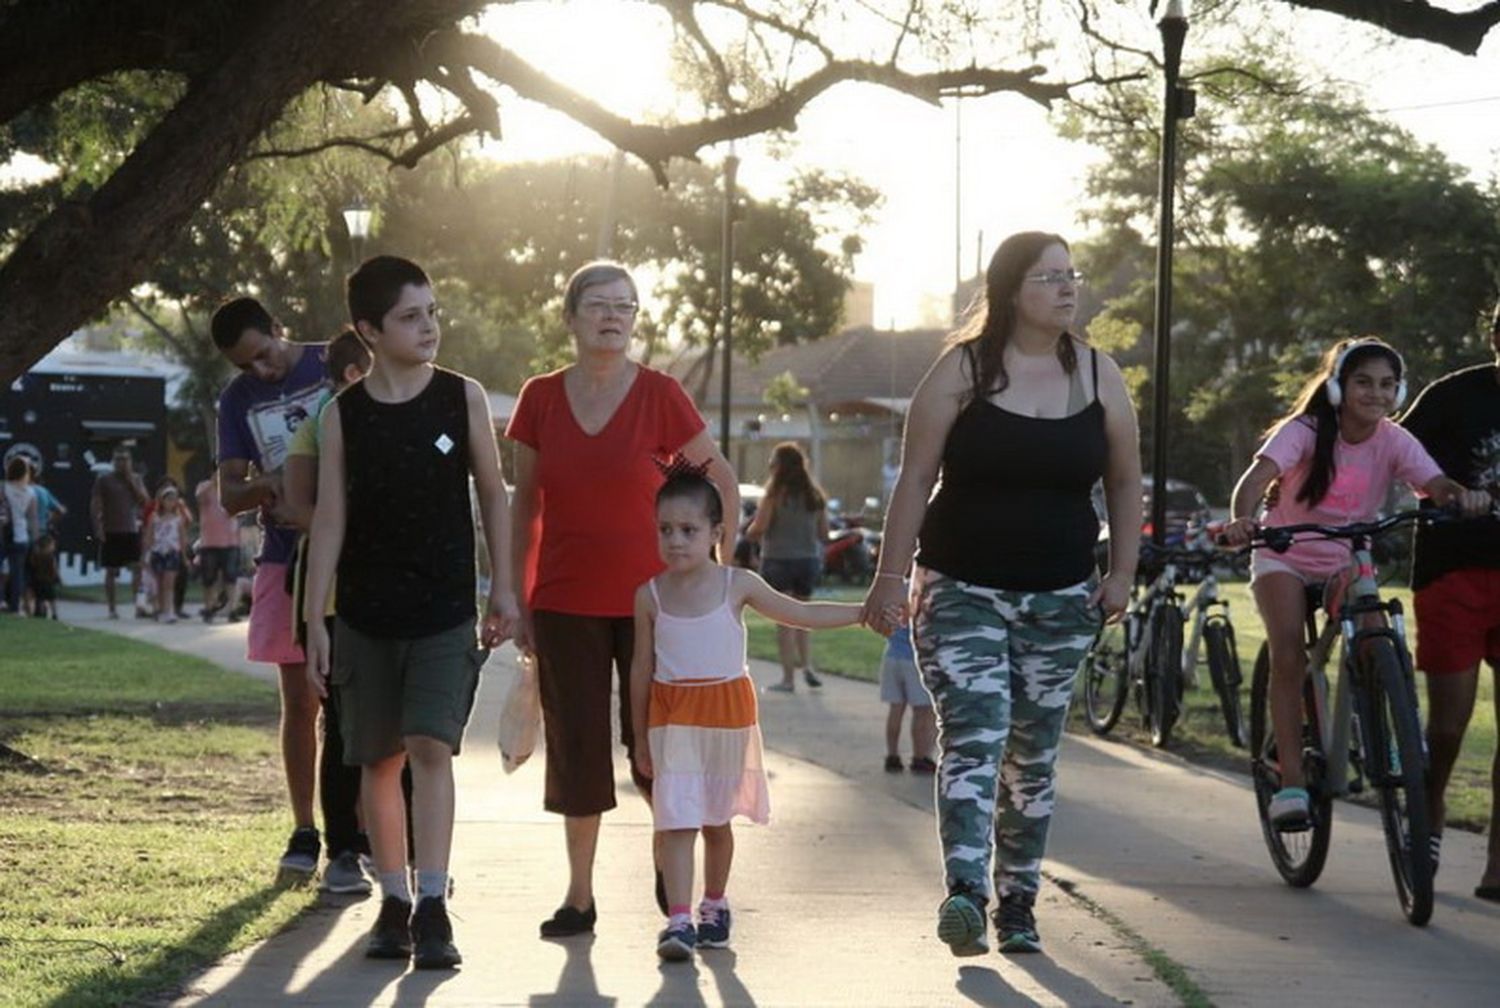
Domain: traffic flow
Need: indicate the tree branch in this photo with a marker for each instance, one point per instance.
(658, 144)
(685, 18)
(1462, 31)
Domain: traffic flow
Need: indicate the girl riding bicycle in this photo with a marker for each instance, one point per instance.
(1333, 459)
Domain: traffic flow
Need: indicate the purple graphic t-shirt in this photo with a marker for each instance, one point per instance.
(257, 420)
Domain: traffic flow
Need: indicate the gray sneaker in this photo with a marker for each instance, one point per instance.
(345, 875)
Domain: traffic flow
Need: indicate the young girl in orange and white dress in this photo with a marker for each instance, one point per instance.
(693, 699)
(164, 539)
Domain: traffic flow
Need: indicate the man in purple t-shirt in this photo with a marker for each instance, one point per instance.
(277, 390)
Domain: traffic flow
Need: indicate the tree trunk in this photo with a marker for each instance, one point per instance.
(84, 254)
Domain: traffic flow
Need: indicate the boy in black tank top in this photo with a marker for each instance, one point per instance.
(394, 520)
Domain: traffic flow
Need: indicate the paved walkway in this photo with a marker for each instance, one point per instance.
(834, 902)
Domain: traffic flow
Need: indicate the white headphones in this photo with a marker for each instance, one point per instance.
(1335, 389)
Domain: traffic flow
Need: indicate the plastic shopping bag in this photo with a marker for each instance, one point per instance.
(521, 716)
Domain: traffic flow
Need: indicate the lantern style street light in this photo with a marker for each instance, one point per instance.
(1178, 103)
(357, 219)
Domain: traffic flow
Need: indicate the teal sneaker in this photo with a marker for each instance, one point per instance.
(961, 925)
(1015, 923)
(1290, 810)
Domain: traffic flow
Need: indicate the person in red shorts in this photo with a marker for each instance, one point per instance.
(1456, 574)
(583, 523)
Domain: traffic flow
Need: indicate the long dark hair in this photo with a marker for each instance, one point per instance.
(790, 480)
(985, 335)
(1312, 407)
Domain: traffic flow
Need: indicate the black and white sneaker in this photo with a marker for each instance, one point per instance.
(432, 936)
(300, 862)
(390, 938)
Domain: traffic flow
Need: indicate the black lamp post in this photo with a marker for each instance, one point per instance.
(357, 219)
(1177, 104)
(726, 299)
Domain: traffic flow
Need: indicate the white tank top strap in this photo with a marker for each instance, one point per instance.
(654, 597)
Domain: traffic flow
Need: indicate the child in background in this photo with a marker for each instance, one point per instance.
(692, 697)
(901, 687)
(43, 576)
(165, 538)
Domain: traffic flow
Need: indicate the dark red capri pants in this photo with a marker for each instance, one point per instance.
(1458, 621)
(574, 658)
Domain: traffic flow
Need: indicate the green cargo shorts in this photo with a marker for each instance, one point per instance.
(391, 688)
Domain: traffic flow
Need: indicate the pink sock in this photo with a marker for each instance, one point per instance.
(714, 899)
(679, 911)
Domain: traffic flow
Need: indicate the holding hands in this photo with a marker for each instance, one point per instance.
(886, 608)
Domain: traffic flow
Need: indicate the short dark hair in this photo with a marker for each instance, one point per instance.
(17, 467)
(344, 349)
(592, 274)
(375, 287)
(232, 318)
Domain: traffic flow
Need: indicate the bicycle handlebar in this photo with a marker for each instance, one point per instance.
(1279, 538)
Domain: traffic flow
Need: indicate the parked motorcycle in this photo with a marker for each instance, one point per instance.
(853, 547)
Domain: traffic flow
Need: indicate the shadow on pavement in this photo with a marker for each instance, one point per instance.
(983, 986)
(576, 984)
(1068, 987)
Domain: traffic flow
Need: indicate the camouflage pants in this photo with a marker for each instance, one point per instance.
(1000, 666)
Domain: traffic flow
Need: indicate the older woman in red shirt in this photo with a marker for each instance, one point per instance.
(584, 527)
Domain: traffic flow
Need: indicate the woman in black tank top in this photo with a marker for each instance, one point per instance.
(1005, 438)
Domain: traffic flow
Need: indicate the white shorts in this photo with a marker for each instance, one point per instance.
(1263, 562)
(900, 682)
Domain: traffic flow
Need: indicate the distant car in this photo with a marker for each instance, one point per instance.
(1186, 507)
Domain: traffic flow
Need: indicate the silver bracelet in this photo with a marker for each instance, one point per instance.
(888, 574)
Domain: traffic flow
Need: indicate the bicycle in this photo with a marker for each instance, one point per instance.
(1143, 656)
(1212, 629)
(1374, 728)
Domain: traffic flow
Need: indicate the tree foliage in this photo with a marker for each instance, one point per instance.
(229, 72)
(1304, 218)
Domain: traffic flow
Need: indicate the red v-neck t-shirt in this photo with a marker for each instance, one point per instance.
(594, 538)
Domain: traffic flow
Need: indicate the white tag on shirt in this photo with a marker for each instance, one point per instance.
(444, 443)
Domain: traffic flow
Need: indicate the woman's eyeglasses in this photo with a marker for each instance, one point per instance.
(598, 308)
(1056, 278)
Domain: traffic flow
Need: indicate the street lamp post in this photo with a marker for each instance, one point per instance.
(1177, 104)
(357, 219)
(726, 299)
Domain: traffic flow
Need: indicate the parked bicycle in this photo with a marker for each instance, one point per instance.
(1143, 654)
(1373, 733)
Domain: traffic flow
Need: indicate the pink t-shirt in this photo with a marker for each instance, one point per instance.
(1363, 474)
(216, 527)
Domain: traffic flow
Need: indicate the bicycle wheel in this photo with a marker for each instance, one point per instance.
(1106, 678)
(1224, 670)
(1298, 857)
(1164, 672)
(1396, 762)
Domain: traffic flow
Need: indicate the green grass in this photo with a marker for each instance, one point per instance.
(1199, 734)
(853, 652)
(141, 809)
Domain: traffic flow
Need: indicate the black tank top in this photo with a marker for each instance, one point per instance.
(407, 568)
(1012, 508)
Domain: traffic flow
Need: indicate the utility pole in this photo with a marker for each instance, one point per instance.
(726, 299)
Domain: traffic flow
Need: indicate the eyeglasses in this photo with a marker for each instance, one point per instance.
(598, 308)
(1056, 278)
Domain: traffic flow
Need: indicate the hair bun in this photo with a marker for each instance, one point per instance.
(678, 464)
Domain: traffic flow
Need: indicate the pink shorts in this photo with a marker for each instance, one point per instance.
(1458, 621)
(270, 638)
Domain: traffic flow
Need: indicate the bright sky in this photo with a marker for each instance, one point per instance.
(1015, 174)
